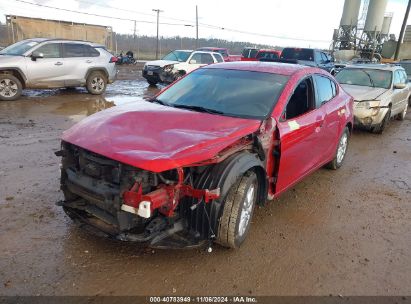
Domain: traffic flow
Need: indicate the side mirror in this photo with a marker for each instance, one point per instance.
(400, 86)
(193, 61)
(36, 55)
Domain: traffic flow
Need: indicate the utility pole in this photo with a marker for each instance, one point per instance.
(404, 25)
(158, 22)
(196, 27)
(134, 37)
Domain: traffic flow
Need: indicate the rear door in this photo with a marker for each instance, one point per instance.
(301, 131)
(79, 58)
(47, 72)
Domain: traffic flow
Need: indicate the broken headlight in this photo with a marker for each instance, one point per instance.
(369, 104)
(168, 68)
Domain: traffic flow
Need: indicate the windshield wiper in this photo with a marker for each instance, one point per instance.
(197, 108)
(369, 76)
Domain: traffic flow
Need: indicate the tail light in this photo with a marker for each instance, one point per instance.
(113, 59)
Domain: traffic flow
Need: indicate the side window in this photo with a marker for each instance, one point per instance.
(302, 100)
(219, 58)
(196, 58)
(325, 88)
(397, 77)
(89, 51)
(206, 59)
(74, 50)
(317, 56)
(404, 77)
(324, 57)
(50, 50)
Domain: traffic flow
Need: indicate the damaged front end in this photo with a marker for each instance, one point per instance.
(132, 204)
(369, 113)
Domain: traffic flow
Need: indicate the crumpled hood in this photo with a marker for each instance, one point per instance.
(363, 93)
(161, 63)
(155, 137)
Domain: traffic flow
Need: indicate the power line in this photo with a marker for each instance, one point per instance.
(210, 26)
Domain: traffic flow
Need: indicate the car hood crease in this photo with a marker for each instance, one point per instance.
(155, 137)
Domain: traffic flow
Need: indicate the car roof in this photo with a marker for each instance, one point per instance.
(375, 66)
(40, 40)
(286, 69)
(269, 50)
(211, 48)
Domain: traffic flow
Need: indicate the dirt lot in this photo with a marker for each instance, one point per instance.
(338, 232)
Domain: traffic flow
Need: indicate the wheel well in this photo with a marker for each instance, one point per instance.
(16, 74)
(97, 70)
(349, 125)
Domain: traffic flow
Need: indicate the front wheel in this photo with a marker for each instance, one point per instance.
(341, 151)
(381, 127)
(96, 83)
(10, 87)
(238, 211)
(402, 115)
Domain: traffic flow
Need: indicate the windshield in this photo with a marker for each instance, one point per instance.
(298, 54)
(365, 77)
(180, 56)
(19, 48)
(227, 92)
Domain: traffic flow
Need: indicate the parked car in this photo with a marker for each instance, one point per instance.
(380, 92)
(249, 54)
(176, 64)
(42, 63)
(310, 57)
(223, 51)
(189, 167)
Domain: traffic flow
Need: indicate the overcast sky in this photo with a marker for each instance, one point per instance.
(304, 22)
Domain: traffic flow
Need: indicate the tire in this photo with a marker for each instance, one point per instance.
(238, 210)
(403, 114)
(152, 82)
(341, 151)
(10, 87)
(381, 127)
(96, 83)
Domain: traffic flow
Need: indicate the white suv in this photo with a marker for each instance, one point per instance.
(41, 63)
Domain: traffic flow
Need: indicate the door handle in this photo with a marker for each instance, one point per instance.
(89, 61)
(58, 63)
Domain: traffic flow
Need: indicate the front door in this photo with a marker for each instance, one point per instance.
(399, 98)
(49, 71)
(300, 128)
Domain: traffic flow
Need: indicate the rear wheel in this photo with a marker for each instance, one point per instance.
(10, 87)
(341, 151)
(385, 122)
(96, 83)
(238, 210)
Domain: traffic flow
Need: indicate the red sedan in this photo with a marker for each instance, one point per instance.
(189, 167)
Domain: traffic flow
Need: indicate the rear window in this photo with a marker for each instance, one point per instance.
(79, 50)
(267, 55)
(235, 93)
(298, 54)
(249, 53)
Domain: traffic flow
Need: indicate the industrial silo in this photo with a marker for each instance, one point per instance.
(350, 13)
(386, 24)
(345, 38)
(375, 16)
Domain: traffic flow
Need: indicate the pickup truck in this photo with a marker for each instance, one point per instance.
(223, 51)
(176, 64)
(310, 57)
